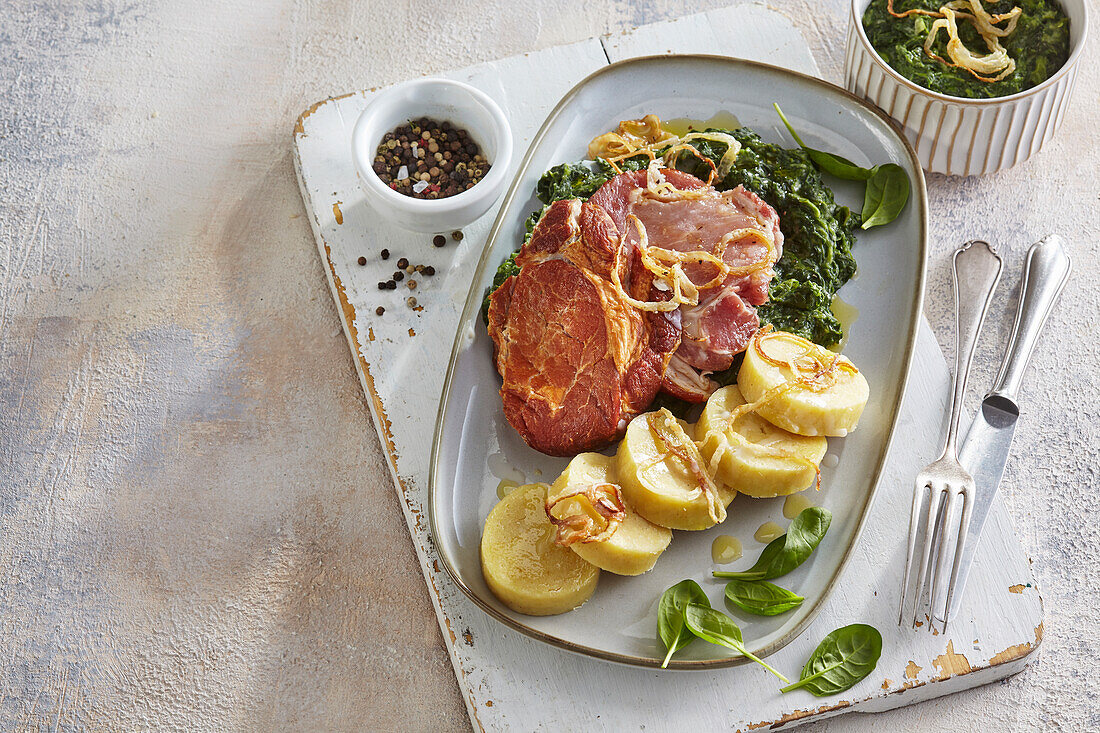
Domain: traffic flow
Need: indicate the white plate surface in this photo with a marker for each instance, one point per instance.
(475, 447)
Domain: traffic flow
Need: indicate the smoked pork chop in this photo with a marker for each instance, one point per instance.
(696, 217)
(576, 359)
(578, 355)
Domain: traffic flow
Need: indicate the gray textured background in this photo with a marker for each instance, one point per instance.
(197, 528)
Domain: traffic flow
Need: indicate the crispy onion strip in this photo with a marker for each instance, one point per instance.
(599, 510)
(996, 63)
(997, 60)
(630, 138)
(667, 430)
(645, 137)
(666, 265)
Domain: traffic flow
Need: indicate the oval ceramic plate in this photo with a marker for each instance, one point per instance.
(475, 447)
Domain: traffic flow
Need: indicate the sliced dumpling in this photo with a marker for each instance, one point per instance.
(523, 566)
(634, 544)
(810, 390)
(663, 477)
(752, 456)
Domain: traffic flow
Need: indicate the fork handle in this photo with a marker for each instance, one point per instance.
(1045, 274)
(977, 268)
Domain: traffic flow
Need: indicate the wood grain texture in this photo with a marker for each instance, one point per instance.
(198, 528)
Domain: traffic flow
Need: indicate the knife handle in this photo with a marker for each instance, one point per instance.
(1045, 275)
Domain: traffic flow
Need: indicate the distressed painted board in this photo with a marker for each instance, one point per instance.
(512, 682)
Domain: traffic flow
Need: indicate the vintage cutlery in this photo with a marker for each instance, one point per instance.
(987, 444)
(977, 268)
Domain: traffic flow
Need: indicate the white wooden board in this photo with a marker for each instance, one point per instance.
(512, 682)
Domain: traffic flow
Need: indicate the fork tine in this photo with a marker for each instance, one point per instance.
(914, 519)
(947, 525)
(964, 526)
(934, 500)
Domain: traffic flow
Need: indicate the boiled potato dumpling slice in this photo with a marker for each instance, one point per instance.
(636, 543)
(750, 470)
(834, 410)
(522, 564)
(659, 484)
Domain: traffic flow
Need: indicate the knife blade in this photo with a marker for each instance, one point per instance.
(987, 445)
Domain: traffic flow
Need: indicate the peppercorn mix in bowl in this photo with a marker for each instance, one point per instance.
(432, 155)
(429, 159)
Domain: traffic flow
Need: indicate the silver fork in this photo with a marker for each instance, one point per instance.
(977, 268)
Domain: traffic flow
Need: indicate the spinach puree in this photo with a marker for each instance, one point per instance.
(1039, 46)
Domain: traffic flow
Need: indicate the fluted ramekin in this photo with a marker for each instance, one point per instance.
(960, 136)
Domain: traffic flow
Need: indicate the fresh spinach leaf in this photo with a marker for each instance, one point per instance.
(842, 659)
(670, 615)
(886, 195)
(718, 628)
(761, 598)
(784, 554)
(887, 189)
(829, 162)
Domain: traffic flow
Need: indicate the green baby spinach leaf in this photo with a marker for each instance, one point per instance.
(718, 628)
(829, 162)
(784, 554)
(886, 195)
(761, 598)
(670, 615)
(842, 659)
(887, 189)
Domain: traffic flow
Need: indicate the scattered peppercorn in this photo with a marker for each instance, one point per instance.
(410, 269)
(398, 276)
(456, 235)
(411, 302)
(404, 160)
(429, 271)
(385, 254)
(439, 240)
(379, 310)
(391, 285)
(419, 268)
(412, 284)
(383, 286)
(362, 261)
(402, 263)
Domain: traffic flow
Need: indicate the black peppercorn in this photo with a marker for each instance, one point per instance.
(429, 271)
(383, 286)
(456, 235)
(439, 240)
(362, 261)
(379, 310)
(403, 263)
(385, 254)
(398, 276)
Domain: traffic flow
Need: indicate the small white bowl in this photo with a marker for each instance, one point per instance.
(446, 101)
(960, 136)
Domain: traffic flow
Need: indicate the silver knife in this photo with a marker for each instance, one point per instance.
(986, 447)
